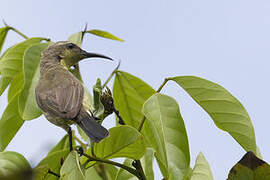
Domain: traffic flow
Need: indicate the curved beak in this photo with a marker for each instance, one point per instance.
(94, 55)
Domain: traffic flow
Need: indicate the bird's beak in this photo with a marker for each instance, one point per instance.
(94, 55)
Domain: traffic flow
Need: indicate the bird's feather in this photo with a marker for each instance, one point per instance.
(60, 94)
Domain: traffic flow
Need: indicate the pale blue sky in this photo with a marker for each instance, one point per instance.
(226, 41)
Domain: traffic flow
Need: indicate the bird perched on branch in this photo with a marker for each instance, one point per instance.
(59, 93)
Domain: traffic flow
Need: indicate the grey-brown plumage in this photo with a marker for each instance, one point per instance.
(60, 94)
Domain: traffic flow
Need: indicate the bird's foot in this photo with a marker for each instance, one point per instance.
(70, 139)
(80, 151)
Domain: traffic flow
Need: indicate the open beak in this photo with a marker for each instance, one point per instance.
(94, 55)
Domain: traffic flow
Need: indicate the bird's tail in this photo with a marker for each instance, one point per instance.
(90, 126)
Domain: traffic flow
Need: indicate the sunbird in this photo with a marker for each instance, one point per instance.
(59, 94)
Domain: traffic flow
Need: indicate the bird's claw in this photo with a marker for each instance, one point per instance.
(80, 151)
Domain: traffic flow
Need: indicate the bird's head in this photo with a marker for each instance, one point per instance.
(69, 52)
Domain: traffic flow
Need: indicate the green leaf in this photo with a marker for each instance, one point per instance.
(124, 141)
(147, 163)
(12, 163)
(170, 139)
(54, 158)
(63, 144)
(123, 174)
(11, 61)
(4, 82)
(76, 38)
(110, 170)
(41, 172)
(129, 94)
(105, 171)
(226, 111)
(188, 174)
(53, 162)
(202, 170)
(10, 123)
(16, 86)
(4, 54)
(71, 168)
(250, 168)
(11, 120)
(91, 173)
(104, 34)
(3, 34)
(27, 102)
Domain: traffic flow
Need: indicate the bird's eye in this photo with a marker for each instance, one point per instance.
(70, 46)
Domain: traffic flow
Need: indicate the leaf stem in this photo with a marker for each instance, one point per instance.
(162, 85)
(83, 32)
(15, 30)
(18, 32)
(111, 75)
(129, 169)
(141, 124)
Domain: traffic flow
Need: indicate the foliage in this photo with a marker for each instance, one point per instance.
(250, 168)
(149, 124)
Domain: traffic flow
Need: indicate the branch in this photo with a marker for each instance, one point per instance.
(138, 165)
(129, 169)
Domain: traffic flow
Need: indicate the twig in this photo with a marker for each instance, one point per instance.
(111, 75)
(129, 169)
(137, 164)
(53, 173)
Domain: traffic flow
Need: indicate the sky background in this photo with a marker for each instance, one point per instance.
(225, 41)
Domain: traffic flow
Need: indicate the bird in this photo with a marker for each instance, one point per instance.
(59, 94)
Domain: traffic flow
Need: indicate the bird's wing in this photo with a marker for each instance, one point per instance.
(61, 97)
